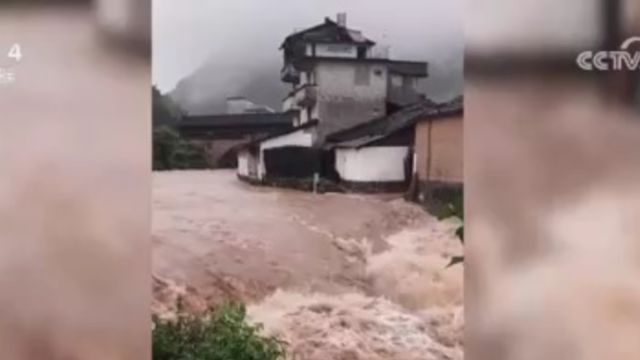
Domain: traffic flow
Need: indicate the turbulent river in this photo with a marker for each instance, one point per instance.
(337, 276)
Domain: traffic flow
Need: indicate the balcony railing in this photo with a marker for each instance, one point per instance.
(289, 74)
(303, 97)
(379, 52)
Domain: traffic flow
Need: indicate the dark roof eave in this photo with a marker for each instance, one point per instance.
(442, 115)
(253, 142)
(390, 124)
(411, 68)
(327, 22)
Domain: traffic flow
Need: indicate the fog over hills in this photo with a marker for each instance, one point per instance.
(205, 90)
(206, 51)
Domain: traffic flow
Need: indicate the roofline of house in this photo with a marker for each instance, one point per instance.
(256, 141)
(286, 39)
(353, 128)
(372, 139)
(334, 145)
(367, 42)
(420, 119)
(327, 21)
(444, 110)
(444, 115)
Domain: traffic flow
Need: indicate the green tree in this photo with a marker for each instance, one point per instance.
(170, 151)
(455, 209)
(223, 334)
(165, 111)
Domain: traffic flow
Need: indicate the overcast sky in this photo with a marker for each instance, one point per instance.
(246, 33)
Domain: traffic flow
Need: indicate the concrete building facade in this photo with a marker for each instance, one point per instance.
(340, 78)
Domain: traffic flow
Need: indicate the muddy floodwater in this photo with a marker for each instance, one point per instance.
(338, 276)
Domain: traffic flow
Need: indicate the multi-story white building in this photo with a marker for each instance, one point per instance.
(341, 78)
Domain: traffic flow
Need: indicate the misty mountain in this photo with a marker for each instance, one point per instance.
(239, 42)
(206, 89)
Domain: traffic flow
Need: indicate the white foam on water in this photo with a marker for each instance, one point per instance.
(349, 326)
(415, 311)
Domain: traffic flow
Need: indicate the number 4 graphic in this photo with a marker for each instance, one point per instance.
(15, 52)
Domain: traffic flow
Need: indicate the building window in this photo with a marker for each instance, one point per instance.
(362, 76)
(378, 72)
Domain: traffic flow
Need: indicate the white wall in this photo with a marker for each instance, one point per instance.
(372, 164)
(243, 163)
(302, 137)
(336, 50)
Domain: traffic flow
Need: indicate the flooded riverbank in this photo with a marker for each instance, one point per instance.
(338, 276)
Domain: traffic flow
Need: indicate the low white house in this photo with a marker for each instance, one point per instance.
(253, 157)
(247, 164)
(378, 155)
(338, 84)
(373, 164)
(302, 137)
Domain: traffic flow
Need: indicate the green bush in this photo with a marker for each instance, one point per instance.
(455, 209)
(218, 335)
(170, 151)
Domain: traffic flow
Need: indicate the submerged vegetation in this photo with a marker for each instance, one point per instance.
(222, 334)
(455, 209)
(172, 152)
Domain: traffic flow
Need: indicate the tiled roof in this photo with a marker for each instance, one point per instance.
(328, 32)
(257, 140)
(382, 127)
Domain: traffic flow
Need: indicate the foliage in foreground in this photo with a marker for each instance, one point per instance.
(455, 209)
(223, 334)
(170, 151)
